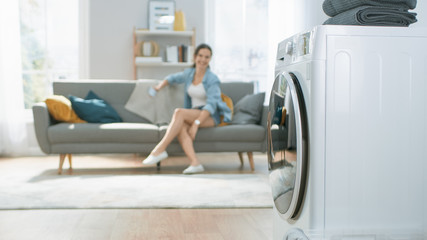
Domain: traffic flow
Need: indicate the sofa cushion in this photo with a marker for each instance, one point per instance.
(248, 110)
(103, 133)
(60, 109)
(158, 109)
(115, 92)
(93, 109)
(229, 133)
(229, 103)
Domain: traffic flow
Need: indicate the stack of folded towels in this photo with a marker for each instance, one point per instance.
(370, 12)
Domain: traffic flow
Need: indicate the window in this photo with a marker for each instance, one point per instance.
(49, 43)
(239, 36)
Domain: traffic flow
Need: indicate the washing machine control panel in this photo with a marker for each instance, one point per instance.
(289, 48)
(294, 49)
(303, 44)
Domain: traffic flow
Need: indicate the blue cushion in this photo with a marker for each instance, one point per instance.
(93, 109)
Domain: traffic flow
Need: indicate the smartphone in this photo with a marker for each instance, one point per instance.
(152, 92)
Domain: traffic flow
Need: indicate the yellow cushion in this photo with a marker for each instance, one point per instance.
(60, 108)
(229, 103)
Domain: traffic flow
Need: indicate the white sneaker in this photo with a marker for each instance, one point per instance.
(194, 169)
(155, 159)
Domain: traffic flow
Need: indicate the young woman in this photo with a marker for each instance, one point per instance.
(202, 108)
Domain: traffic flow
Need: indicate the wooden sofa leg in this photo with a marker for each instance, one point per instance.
(70, 161)
(61, 161)
(241, 158)
(251, 160)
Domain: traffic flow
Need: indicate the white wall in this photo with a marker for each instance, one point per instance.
(110, 33)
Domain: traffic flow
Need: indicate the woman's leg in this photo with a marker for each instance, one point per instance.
(180, 117)
(187, 145)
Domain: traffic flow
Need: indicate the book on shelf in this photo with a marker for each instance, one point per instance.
(148, 59)
(182, 53)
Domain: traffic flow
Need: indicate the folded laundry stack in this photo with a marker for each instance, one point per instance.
(370, 12)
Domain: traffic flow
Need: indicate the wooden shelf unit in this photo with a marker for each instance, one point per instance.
(165, 36)
(164, 64)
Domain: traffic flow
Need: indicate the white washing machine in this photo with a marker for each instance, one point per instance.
(347, 134)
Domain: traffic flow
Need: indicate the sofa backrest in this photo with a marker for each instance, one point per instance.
(237, 90)
(117, 92)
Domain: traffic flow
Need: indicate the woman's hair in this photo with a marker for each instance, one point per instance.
(201, 46)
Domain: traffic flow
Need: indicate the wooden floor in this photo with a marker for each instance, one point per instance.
(205, 224)
(125, 224)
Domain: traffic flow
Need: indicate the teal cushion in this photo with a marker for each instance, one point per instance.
(93, 109)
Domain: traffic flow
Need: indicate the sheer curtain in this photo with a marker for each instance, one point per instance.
(237, 32)
(13, 129)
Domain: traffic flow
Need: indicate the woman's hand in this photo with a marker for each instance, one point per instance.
(193, 131)
(161, 85)
(157, 87)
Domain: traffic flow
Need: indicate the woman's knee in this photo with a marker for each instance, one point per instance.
(179, 112)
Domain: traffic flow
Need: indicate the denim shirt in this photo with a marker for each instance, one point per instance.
(211, 83)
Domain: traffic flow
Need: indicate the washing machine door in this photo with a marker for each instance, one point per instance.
(287, 150)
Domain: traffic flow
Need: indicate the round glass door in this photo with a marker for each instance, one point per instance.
(287, 144)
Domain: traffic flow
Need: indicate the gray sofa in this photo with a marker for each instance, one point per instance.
(135, 134)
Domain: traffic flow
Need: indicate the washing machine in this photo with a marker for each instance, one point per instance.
(347, 134)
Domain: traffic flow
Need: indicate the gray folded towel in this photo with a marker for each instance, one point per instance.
(335, 7)
(373, 16)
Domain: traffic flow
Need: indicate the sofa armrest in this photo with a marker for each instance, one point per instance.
(42, 121)
(263, 123)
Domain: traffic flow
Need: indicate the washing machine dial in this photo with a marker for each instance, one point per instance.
(289, 48)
